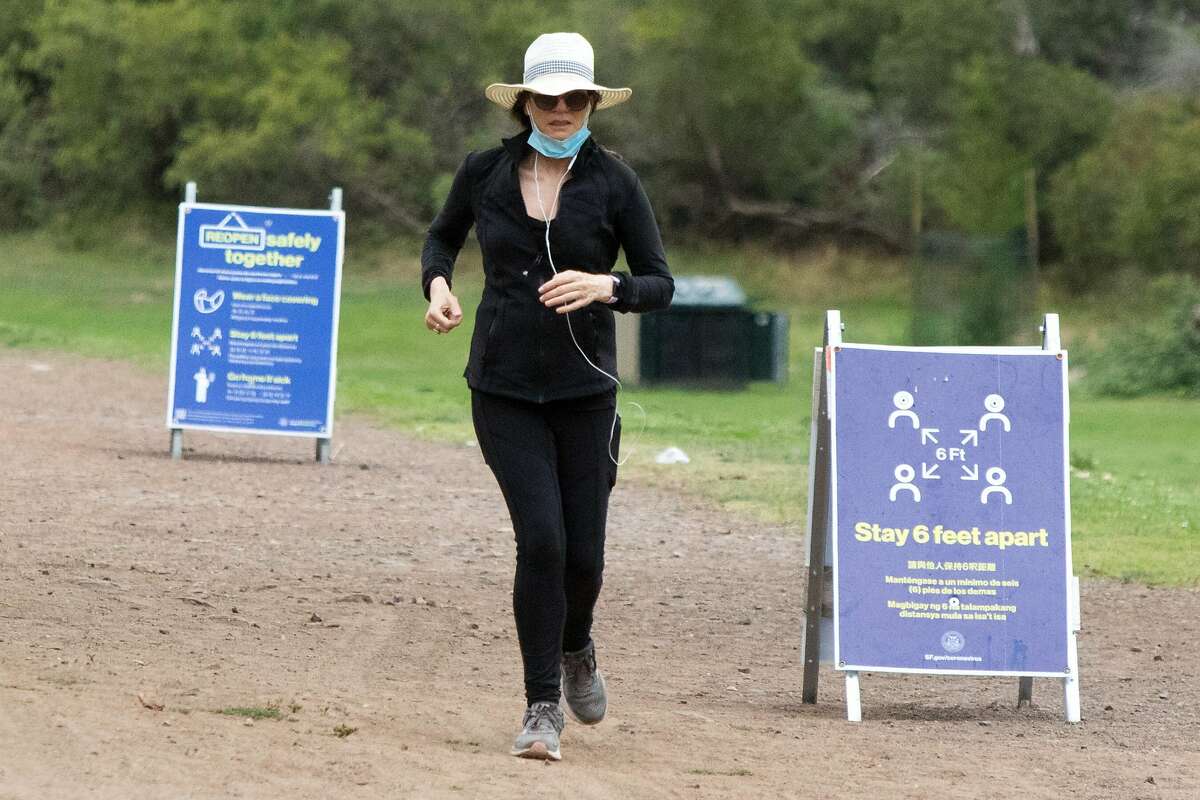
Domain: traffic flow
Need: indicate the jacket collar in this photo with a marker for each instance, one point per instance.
(518, 147)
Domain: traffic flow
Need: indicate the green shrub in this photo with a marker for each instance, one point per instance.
(21, 156)
(1009, 115)
(1162, 355)
(1133, 200)
(969, 290)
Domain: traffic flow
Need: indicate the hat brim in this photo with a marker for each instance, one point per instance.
(505, 94)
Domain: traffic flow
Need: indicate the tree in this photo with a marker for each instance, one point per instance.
(23, 151)
(1010, 114)
(125, 79)
(843, 36)
(735, 114)
(289, 136)
(1109, 38)
(1133, 200)
(916, 64)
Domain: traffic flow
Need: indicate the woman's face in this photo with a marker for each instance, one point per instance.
(560, 122)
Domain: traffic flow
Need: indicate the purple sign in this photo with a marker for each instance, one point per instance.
(951, 530)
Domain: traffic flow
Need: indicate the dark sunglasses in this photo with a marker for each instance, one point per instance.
(576, 101)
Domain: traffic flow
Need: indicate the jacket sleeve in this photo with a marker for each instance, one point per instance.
(449, 230)
(650, 286)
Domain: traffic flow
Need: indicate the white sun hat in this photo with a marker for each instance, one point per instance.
(557, 63)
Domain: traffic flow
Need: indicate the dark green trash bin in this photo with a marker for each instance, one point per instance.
(769, 346)
(709, 338)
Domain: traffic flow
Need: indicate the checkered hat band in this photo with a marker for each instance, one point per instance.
(552, 67)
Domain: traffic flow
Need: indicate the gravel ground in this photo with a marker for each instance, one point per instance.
(367, 603)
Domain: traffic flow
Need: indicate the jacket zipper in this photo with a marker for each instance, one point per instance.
(537, 262)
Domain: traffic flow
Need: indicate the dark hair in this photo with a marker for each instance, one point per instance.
(518, 109)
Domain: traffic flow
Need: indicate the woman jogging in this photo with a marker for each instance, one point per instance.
(550, 208)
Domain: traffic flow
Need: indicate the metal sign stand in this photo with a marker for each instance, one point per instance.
(1052, 342)
(817, 609)
(323, 443)
(189, 196)
(818, 621)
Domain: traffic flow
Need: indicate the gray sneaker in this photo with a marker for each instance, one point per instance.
(540, 727)
(583, 686)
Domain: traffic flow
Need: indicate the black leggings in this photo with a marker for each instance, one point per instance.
(552, 463)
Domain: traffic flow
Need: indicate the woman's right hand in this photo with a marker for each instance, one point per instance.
(444, 314)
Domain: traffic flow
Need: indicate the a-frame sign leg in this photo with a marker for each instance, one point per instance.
(189, 196)
(853, 698)
(819, 508)
(1052, 341)
(1024, 691)
(324, 444)
(1071, 707)
(818, 516)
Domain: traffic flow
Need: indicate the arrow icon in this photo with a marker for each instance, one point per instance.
(970, 473)
(927, 435)
(930, 473)
(970, 436)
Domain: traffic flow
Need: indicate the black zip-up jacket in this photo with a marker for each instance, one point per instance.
(519, 347)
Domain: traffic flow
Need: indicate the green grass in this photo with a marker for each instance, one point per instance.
(724, 773)
(1136, 512)
(1136, 502)
(253, 712)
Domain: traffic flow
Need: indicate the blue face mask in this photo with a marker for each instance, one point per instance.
(557, 148)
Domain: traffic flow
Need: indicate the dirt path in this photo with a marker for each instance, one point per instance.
(374, 594)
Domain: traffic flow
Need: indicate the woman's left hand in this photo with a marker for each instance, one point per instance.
(571, 290)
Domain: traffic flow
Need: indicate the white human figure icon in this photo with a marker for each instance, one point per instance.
(904, 476)
(994, 404)
(996, 478)
(203, 380)
(903, 402)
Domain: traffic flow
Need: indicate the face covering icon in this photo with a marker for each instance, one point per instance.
(206, 303)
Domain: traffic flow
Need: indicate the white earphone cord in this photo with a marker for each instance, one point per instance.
(612, 431)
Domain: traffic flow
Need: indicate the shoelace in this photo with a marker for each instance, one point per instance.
(541, 717)
(586, 663)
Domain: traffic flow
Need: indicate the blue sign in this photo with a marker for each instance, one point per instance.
(951, 528)
(254, 342)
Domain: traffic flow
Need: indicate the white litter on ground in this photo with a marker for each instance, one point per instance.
(672, 455)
